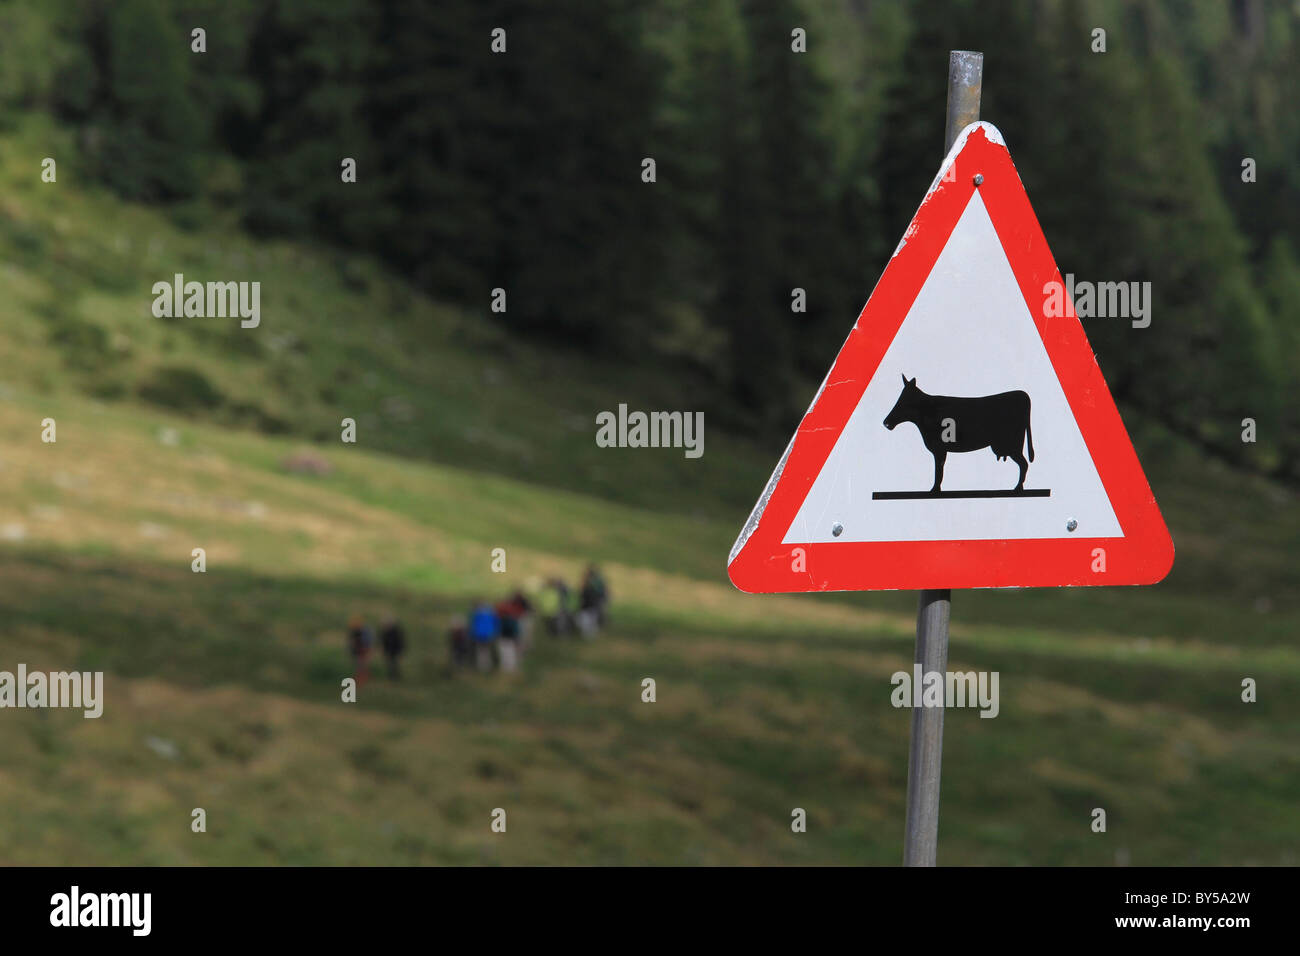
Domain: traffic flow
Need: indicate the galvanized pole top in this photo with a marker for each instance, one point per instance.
(965, 78)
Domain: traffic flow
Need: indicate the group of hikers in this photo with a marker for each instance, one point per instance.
(494, 635)
(499, 635)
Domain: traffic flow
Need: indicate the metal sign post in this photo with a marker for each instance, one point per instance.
(925, 758)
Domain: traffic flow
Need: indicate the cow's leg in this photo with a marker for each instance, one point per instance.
(939, 458)
(1019, 459)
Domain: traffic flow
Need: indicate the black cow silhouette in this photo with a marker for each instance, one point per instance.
(1000, 422)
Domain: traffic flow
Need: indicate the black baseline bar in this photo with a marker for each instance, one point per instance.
(901, 495)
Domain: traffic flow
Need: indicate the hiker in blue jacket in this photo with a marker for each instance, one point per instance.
(484, 626)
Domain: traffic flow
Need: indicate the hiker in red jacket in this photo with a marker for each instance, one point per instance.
(360, 641)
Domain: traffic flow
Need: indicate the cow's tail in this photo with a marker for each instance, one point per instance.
(1029, 434)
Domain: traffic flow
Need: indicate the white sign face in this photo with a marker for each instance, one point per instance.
(968, 336)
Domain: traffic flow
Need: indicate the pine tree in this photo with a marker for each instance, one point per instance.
(149, 137)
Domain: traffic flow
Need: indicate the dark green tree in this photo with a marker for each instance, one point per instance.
(141, 130)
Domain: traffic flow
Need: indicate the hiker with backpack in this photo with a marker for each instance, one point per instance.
(393, 641)
(458, 642)
(360, 641)
(484, 626)
(594, 597)
(513, 614)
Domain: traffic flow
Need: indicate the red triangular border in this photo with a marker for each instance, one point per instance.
(761, 563)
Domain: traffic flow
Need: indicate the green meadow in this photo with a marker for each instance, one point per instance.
(223, 688)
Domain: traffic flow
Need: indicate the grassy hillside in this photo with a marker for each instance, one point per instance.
(338, 338)
(222, 688)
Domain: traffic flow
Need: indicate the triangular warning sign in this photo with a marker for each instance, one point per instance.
(964, 437)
